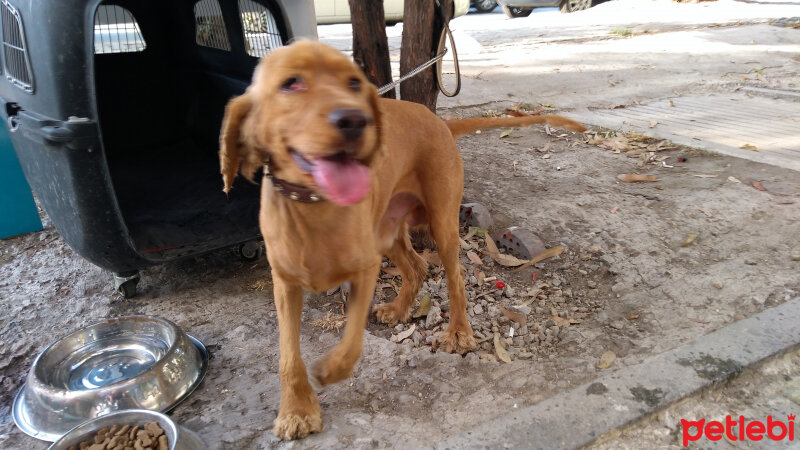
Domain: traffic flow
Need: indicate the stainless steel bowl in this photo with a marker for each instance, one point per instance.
(136, 362)
(179, 438)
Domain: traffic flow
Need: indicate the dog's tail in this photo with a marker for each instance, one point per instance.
(463, 126)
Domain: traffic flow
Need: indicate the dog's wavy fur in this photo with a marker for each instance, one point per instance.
(416, 179)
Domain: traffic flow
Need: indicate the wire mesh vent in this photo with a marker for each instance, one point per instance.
(209, 25)
(16, 60)
(116, 31)
(261, 32)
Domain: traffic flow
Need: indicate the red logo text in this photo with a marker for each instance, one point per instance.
(738, 430)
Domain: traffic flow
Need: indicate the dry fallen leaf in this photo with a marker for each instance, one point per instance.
(500, 258)
(733, 179)
(750, 147)
(424, 307)
(634, 316)
(704, 175)
(474, 258)
(464, 244)
(560, 321)
(501, 352)
(475, 231)
(514, 316)
(671, 103)
(481, 277)
(400, 336)
(614, 209)
(431, 257)
(506, 132)
(689, 239)
(758, 185)
(606, 360)
(635, 177)
(653, 123)
(549, 253)
(330, 322)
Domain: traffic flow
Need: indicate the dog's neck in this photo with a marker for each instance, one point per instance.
(292, 191)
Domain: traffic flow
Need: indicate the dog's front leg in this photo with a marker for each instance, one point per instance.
(338, 363)
(299, 413)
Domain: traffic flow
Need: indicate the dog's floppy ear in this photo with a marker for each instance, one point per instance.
(234, 152)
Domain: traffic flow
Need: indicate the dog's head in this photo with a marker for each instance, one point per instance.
(313, 114)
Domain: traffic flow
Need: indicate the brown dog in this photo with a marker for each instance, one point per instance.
(349, 173)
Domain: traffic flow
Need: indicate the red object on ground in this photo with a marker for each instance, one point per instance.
(499, 284)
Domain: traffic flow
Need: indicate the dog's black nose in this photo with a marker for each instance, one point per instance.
(349, 121)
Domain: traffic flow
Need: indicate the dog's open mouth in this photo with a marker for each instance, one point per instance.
(343, 179)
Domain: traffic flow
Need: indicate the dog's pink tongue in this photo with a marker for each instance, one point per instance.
(344, 181)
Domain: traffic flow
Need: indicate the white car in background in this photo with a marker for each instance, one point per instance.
(338, 11)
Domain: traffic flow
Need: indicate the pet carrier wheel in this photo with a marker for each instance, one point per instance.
(125, 283)
(251, 250)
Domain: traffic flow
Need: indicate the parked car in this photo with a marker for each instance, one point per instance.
(523, 8)
(338, 11)
(483, 6)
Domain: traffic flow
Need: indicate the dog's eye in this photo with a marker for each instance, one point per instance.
(355, 84)
(293, 84)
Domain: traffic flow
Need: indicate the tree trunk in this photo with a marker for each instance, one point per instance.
(422, 26)
(370, 45)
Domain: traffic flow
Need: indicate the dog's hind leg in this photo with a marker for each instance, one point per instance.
(338, 363)
(299, 413)
(413, 270)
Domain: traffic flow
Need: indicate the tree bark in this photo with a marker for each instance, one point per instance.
(422, 26)
(370, 45)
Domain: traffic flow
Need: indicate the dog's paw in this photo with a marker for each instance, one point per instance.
(328, 370)
(387, 313)
(297, 426)
(456, 341)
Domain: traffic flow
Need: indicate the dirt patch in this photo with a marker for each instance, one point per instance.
(627, 282)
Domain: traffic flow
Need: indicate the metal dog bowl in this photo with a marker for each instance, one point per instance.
(136, 362)
(179, 438)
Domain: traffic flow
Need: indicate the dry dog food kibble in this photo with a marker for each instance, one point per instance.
(126, 437)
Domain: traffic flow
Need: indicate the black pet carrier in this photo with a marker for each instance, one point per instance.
(114, 109)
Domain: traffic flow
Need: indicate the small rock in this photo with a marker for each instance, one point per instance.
(524, 310)
(522, 331)
(617, 325)
(525, 355)
(606, 360)
(417, 338)
(718, 284)
(509, 292)
(413, 362)
(494, 311)
(750, 262)
(591, 284)
(434, 317)
(796, 255)
(477, 309)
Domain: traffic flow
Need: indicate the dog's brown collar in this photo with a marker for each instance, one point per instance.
(292, 191)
